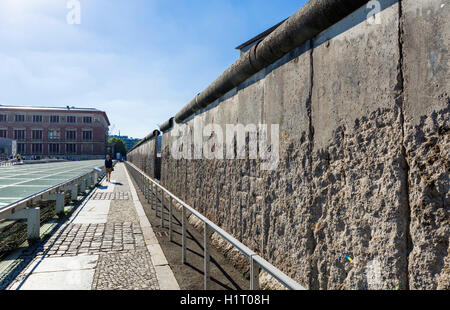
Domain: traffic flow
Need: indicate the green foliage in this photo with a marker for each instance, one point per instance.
(119, 146)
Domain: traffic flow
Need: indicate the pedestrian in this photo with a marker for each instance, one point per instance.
(108, 167)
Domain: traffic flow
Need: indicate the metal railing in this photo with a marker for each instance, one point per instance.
(25, 209)
(151, 189)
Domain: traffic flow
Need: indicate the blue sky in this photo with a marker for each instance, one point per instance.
(140, 61)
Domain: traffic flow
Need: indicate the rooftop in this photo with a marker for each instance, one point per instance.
(246, 46)
(56, 109)
(67, 108)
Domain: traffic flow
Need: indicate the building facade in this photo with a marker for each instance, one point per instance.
(47, 132)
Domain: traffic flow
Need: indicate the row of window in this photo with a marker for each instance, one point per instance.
(54, 149)
(55, 119)
(71, 135)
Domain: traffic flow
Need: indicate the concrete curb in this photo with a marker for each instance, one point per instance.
(164, 274)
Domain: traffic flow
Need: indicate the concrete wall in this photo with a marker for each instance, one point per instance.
(145, 157)
(363, 111)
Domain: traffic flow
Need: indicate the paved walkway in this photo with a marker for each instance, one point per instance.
(108, 244)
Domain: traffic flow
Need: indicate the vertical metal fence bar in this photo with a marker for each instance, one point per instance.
(143, 190)
(183, 236)
(162, 208)
(148, 191)
(170, 220)
(152, 189)
(152, 195)
(206, 256)
(254, 275)
(155, 191)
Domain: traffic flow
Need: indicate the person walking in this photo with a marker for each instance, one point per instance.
(108, 167)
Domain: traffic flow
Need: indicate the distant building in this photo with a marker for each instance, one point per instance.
(71, 133)
(244, 47)
(130, 142)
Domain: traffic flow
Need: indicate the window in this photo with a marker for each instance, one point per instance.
(37, 118)
(87, 135)
(36, 134)
(53, 148)
(71, 135)
(87, 119)
(71, 148)
(71, 119)
(3, 118)
(54, 134)
(19, 134)
(19, 118)
(36, 148)
(54, 119)
(21, 148)
(3, 133)
(87, 148)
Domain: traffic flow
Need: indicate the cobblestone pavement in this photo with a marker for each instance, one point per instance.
(94, 239)
(122, 260)
(120, 211)
(126, 263)
(128, 270)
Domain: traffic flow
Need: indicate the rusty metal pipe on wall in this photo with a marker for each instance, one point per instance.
(305, 24)
(151, 136)
(167, 125)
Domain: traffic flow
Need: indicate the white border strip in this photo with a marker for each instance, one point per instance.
(164, 273)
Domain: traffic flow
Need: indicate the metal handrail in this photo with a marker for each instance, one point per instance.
(147, 185)
(21, 204)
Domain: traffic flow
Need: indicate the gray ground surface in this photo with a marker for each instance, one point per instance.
(190, 276)
(101, 246)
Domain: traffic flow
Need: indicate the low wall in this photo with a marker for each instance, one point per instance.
(360, 196)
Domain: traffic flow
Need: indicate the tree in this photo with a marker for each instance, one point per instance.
(119, 146)
(136, 143)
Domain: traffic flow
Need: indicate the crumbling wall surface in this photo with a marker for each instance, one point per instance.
(360, 197)
(144, 157)
(426, 62)
(359, 205)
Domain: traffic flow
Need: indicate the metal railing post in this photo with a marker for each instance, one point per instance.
(257, 263)
(170, 220)
(147, 190)
(183, 235)
(155, 199)
(254, 275)
(206, 256)
(162, 208)
(152, 193)
(144, 191)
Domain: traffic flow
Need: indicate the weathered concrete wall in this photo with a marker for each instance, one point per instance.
(426, 69)
(363, 111)
(145, 157)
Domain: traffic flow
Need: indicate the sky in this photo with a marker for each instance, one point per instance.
(140, 61)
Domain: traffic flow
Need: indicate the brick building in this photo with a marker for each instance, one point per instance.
(73, 133)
